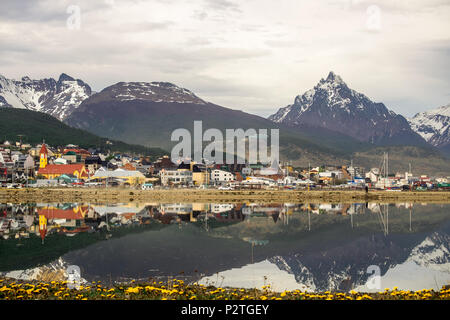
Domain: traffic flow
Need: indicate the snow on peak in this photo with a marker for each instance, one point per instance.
(433, 125)
(152, 91)
(57, 98)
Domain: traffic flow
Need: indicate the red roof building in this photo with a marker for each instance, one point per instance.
(53, 171)
(50, 213)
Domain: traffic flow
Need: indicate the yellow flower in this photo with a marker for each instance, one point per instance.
(132, 290)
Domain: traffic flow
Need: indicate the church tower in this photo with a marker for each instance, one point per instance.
(43, 154)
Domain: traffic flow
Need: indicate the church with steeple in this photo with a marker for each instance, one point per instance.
(43, 156)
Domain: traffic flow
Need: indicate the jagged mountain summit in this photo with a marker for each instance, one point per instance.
(434, 126)
(333, 106)
(58, 98)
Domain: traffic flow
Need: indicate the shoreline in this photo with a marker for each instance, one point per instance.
(119, 195)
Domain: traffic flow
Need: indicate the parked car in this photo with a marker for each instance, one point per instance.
(225, 188)
(147, 186)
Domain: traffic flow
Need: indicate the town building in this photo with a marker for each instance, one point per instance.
(175, 177)
(120, 175)
(53, 171)
(221, 176)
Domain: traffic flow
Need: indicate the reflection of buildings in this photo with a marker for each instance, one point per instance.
(278, 212)
(21, 221)
(65, 220)
(337, 208)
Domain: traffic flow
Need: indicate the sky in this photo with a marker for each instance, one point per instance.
(252, 55)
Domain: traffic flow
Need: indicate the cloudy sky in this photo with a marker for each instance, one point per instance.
(252, 55)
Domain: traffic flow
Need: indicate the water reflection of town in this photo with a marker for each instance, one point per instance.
(22, 221)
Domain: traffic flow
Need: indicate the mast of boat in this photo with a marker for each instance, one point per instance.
(387, 166)
(410, 211)
(253, 245)
(386, 219)
(309, 217)
(351, 166)
(351, 219)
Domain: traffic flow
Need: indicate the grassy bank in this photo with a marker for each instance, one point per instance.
(118, 195)
(177, 290)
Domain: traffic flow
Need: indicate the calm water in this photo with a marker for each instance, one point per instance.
(314, 247)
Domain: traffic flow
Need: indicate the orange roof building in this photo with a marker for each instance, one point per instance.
(53, 171)
(128, 167)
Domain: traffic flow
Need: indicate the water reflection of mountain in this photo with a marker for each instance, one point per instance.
(322, 245)
(326, 256)
(345, 266)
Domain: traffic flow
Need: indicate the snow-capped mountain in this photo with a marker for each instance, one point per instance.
(147, 113)
(332, 105)
(146, 91)
(345, 268)
(433, 126)
(58, 98)
(433, 252)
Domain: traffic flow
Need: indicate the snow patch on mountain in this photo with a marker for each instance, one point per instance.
(428, 266)
(57, 98)
(56, 270)
(149, 91)
(433, 125)
(256, 275)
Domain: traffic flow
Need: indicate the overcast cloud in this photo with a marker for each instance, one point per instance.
(252, 55)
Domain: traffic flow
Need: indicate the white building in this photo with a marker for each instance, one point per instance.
(175, 177)
(219, 208)
(220, 176)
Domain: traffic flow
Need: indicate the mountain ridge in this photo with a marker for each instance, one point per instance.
(434, 126)
(332, 105)
(59, 98)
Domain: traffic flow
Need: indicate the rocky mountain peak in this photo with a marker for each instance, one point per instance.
(332, 105)
(57, 98)
(65, 77)
(433, 126)
(334, 78)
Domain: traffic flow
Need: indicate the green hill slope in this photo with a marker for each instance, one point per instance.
(36, 126)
